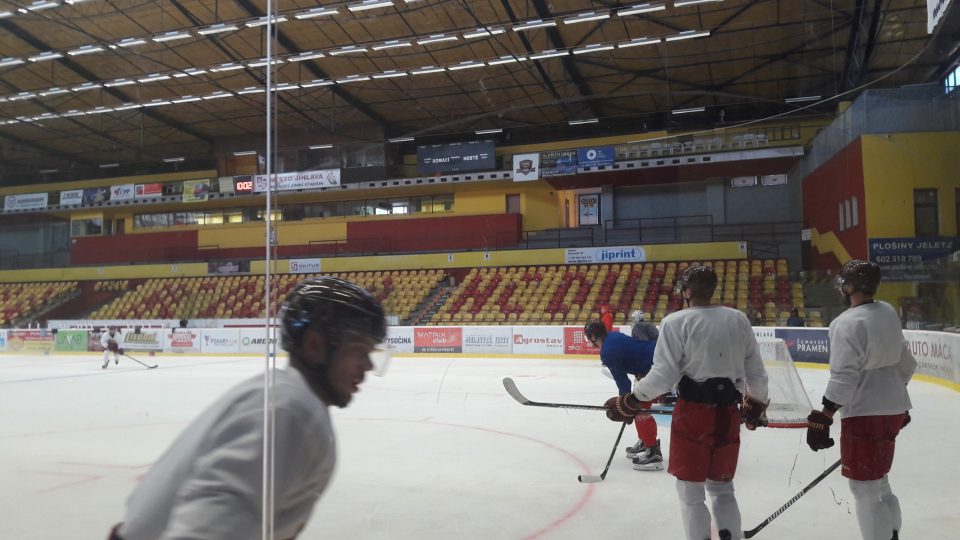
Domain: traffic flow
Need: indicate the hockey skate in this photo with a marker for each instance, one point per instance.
(635, 450)
(650, 460)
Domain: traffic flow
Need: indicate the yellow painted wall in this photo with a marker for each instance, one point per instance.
(518, 257)
(541, 207)
(896, 164)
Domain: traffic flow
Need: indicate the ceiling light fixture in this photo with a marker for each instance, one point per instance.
(42, 5)
(55, 91)
(174, 159)
(109, 165)
(119, 82)
(349, 49)
(689, 34)
(85, 86)
(229, 66)
(316, 12)
(552, 53)
(48, 171)
(264, 20)
(470, 64)
(370, 4)
(316, 82)
(250, 90)
(390, 74)
(22, 96)
(127, 107)
(483, 32)
(426, 70)
(217, 29)
(640, 8)
(185, 99)
(217, 95)
(306, 56)
(154, 77)
(171, 36)
(5, 14)
(392, 44)
(190, 72)
(320, 146)
(245, 153)
(802, 99)
(506, 60)
(286, 86)
(585, 17)
(86, 49)
(263, 61)
(681, 3)
(537, 23)
(10, 61)
(488, 131)
(353, 78)
(436, 38)
(130, 42)
(636, 42)
(688, 111)
(156, 103)
(596, 47)
(400, 139)
(49, 55)
(587, 121)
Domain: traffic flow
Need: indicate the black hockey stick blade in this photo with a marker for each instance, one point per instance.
(752, 532)
(514, 392)
(148, 366)
(591, 479)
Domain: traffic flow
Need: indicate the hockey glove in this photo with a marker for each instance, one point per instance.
(754, 413)
(112, 345)
(624, 408)
(818, 431)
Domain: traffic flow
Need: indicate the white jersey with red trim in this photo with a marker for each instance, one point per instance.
(870, 362)
(208, 484)
(704, 342)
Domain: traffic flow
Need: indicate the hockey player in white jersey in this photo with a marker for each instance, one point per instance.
(109, 342)
(208, 484)
(710, 353)
(870, 366)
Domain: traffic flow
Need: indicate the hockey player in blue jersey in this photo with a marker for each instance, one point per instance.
(625, 356)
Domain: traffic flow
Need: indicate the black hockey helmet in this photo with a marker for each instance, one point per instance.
(701, 280)
(594, 330)
(334, 308)
(863, 276)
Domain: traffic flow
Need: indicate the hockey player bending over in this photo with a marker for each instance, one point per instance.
(108, 340)
(870, 366)
(625, 356)
(711, 354)
(208, 484)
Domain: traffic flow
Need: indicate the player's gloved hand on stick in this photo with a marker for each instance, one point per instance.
(624, 408)
(113, 346)
(754, 413)
(818, 431)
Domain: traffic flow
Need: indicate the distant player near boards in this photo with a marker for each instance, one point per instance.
(625, 356)
(870, 366)
(208, 484)
(710, 353)
(108, 340)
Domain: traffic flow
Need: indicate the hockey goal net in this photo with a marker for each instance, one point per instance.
(789, 402)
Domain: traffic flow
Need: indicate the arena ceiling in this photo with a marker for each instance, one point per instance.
(93, 82)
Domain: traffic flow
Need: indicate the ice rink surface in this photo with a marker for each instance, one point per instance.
(436, 450)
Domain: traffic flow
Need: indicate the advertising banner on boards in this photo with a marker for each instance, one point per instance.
(558, 163)
(487, 340)
(400, 339)
(537, 340)
(30, 341)
(25, 201)
(220, 340)
(436, 339)
(181, 340)
(600, 156)
(526, 167)
(70, 341)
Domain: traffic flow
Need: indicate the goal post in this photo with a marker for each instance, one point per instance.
(789, 402)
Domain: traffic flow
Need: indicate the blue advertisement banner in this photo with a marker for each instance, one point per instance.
(884, 251)
(96, 195)
(599, 156)
(558, 163)
(806, 344)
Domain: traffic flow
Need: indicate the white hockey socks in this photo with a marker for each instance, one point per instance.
(723, 503)
(878, 509)
(693, 510)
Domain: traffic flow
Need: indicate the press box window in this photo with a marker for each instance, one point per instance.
(925, 212)
(86, 227)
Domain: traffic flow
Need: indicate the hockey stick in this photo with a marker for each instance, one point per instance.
(752, 532)
(514, 392)
(148, 366)
(590, 479)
